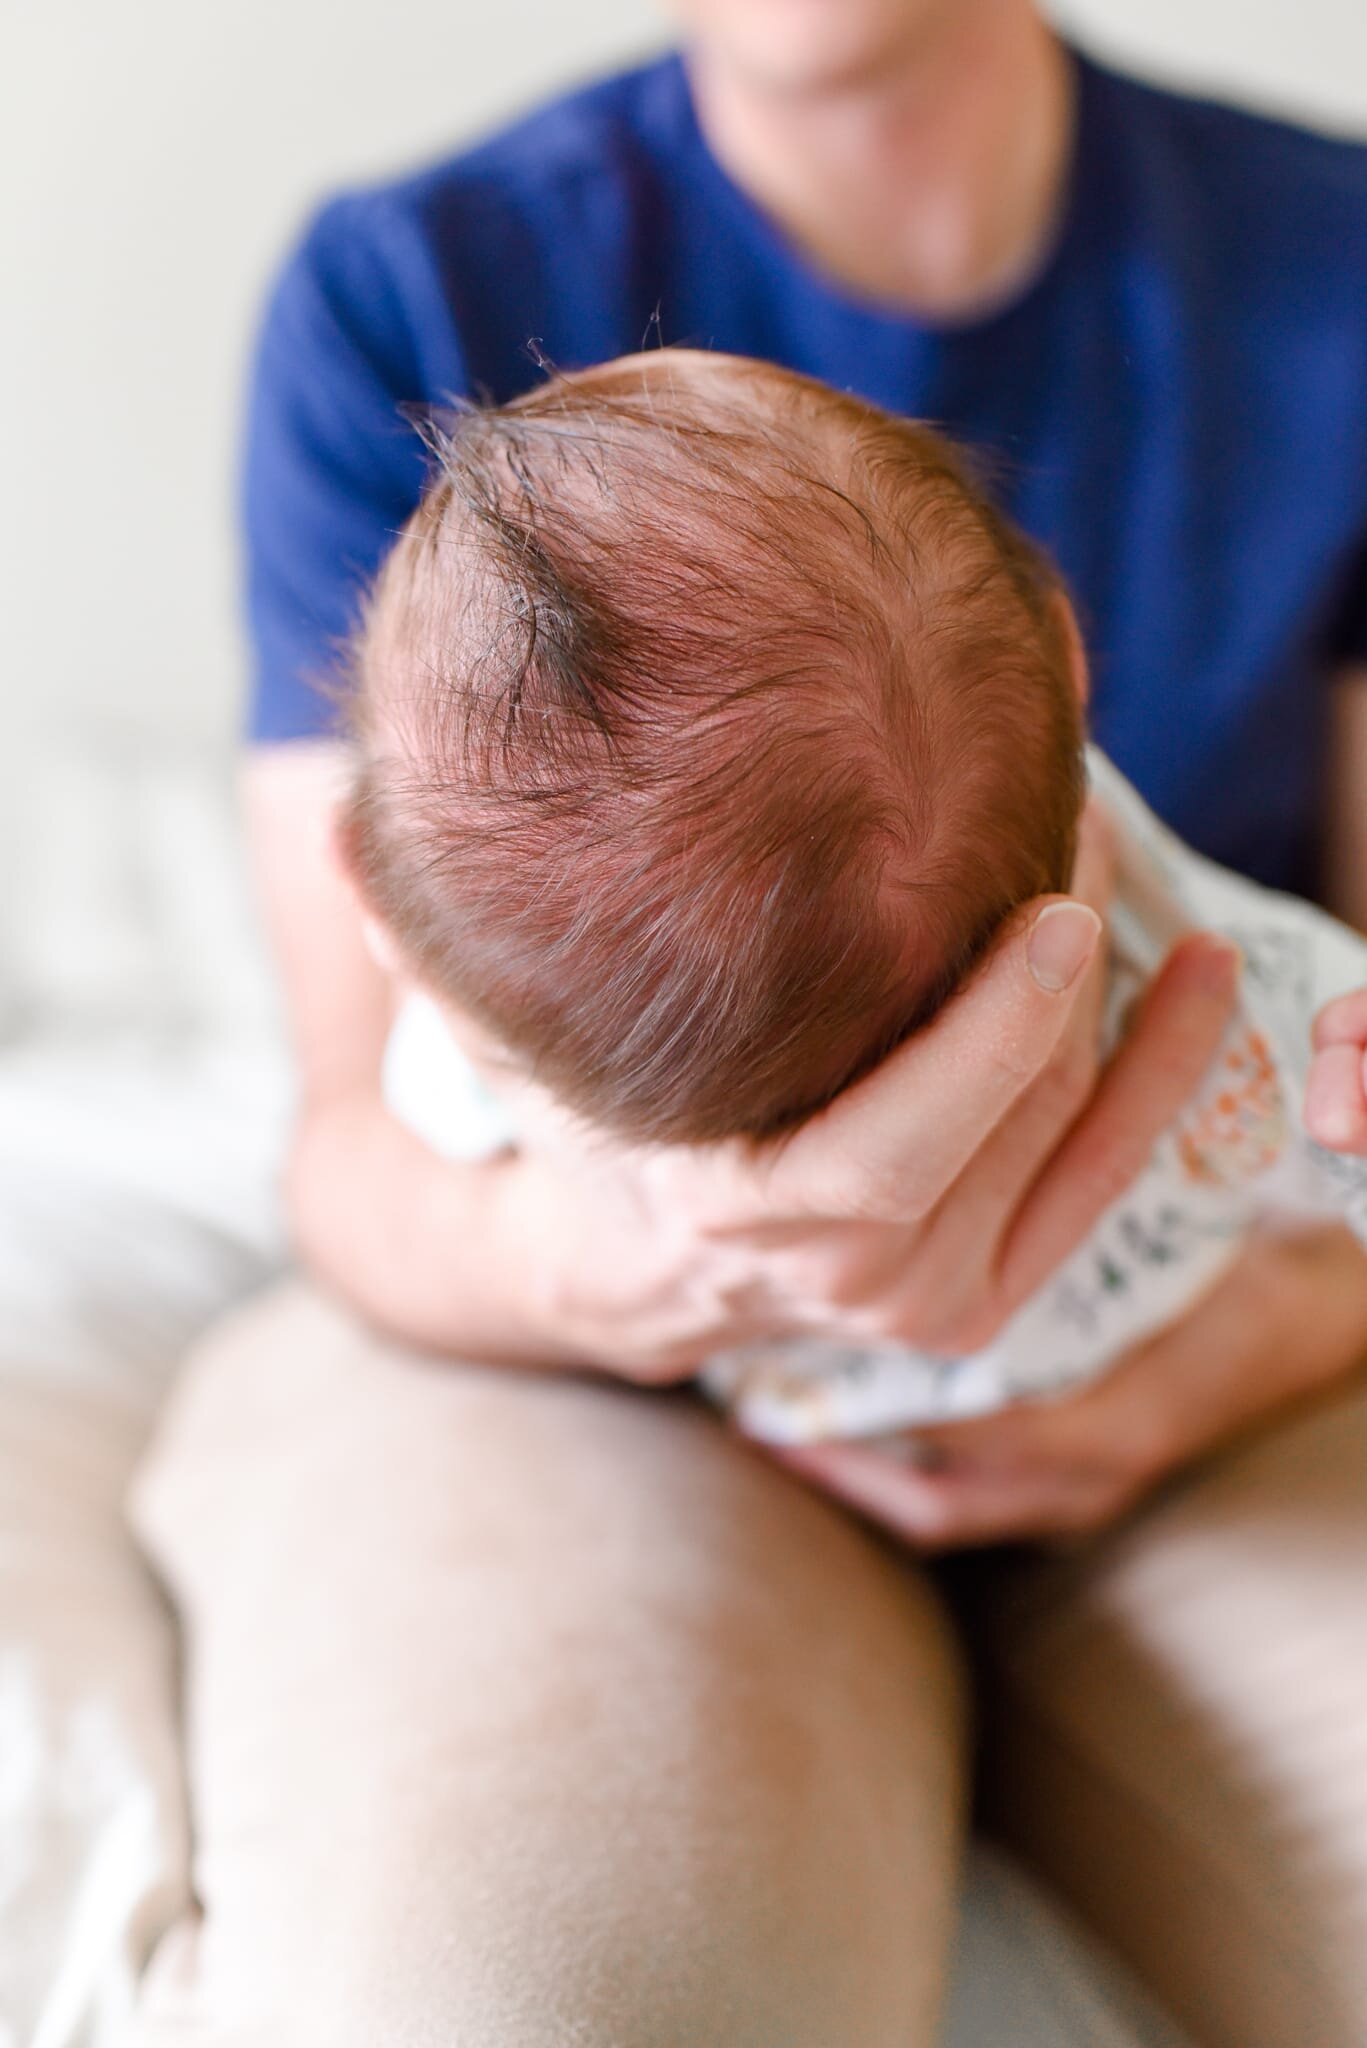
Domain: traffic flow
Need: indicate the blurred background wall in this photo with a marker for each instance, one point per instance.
(154, 157)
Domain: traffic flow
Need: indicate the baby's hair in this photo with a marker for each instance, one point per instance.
(710, 723)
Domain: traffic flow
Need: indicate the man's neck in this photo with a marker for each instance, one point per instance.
(934, 183)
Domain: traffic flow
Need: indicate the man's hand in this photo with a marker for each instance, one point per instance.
(924, 1205)
(1287, 1322)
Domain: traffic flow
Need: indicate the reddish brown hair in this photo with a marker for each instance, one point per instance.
(710, 723)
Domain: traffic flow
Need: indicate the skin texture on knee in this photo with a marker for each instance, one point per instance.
(530, 1711)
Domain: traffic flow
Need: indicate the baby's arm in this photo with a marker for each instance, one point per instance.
(1336, 1094)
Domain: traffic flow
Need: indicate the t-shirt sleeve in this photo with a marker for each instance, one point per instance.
(1348, 634)
(331, 466)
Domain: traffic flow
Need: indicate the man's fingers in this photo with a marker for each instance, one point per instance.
(949, 1510)
(1181, 1022)
(963, 1235)
(888, 1148)
(1336, 1098)
(1343, 1022)
(1109, 1431)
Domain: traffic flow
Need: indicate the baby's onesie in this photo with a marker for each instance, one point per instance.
(1237, 1160)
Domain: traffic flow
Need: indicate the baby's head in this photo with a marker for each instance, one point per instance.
(710, 723)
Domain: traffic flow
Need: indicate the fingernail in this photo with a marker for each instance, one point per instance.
(1062, 940)
(1222, 961)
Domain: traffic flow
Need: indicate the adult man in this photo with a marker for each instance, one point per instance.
(575, 1634)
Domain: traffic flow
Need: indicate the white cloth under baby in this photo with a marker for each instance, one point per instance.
(1237, 1159)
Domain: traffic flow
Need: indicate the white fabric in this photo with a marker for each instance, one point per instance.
(134, 1207)
(1236, 1159)
(143, 1096)
(1024, 1976)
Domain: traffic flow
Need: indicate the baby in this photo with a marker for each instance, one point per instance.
(710, 723)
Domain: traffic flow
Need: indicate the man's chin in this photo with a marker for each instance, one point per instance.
(810, 48)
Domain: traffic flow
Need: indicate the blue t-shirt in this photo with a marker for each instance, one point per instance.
(1176, 405)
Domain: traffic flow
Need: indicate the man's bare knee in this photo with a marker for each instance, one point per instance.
(535, 1711)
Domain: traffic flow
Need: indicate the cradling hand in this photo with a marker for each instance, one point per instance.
(924, 1205)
